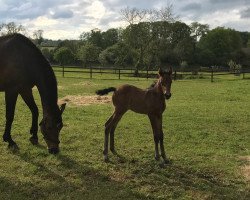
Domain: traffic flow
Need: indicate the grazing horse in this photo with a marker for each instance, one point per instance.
(22, 66)
(150, 102)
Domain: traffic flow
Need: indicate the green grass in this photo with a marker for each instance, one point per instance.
(206, 128)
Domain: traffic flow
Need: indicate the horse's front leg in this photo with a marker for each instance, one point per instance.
(153, 121)
(30, 102)
(10, 102)
(161, 138)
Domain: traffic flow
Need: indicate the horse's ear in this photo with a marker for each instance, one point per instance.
(160, 72)
(62, 108)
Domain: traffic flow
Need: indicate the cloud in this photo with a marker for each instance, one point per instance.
(69, 18)
(192, 7)
(61, 14)
(245, 13)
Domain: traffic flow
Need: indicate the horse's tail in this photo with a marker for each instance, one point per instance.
(105, 91)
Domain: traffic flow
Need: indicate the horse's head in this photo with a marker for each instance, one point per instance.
(51, 126)
(165, 78)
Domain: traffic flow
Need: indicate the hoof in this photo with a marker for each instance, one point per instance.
(157, 158)
(53, 151)
(114, 152)
(167, 161)
(106, 159)
(13, 147)
(34, 141)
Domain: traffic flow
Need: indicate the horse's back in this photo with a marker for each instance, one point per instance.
(19, 60)
(129, 97)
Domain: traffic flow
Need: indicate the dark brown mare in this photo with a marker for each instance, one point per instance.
(22, 66)
(150, 102)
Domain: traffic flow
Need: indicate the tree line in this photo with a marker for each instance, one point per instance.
(151, 39)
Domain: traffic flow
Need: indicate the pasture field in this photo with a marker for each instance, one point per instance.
(207, 137)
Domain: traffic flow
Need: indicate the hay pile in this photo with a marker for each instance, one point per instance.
(79, 100)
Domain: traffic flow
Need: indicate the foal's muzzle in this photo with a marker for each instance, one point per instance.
(167, 96)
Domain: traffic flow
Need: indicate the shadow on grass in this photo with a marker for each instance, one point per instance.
(71, 179)
(68, 180)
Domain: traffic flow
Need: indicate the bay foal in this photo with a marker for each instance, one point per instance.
(150, 102)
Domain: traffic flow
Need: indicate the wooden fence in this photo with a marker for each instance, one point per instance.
(119, 72)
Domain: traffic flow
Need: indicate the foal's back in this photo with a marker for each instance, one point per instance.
(129, 97)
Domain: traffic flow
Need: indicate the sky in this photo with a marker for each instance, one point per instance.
(67, 19)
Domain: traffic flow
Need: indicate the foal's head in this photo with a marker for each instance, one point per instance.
(165, 78)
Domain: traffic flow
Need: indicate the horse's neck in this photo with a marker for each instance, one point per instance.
(47, 87)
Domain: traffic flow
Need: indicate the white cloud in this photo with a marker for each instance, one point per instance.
(61, 19)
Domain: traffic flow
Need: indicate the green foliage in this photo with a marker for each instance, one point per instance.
(64, 56)
(101, 39)
(118, 55)
(48, 54)
(221, 43)
(89, 53)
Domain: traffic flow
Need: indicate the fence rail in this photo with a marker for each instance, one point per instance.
(144, 73)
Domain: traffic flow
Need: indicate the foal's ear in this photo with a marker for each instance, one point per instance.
(160, 72)
(62, 108)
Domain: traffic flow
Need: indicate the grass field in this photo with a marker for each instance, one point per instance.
(207, 137)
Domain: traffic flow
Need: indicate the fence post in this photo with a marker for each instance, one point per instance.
(212, 76)
(147, 73)
(243, 73)
(175, 75)
(90, 72)
(119, 70)
(63, 71)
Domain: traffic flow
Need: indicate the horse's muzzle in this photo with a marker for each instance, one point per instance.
(53, 150)
(167, 96)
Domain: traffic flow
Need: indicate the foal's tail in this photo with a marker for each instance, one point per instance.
(105, 91)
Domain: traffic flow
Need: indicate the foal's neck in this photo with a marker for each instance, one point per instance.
(158, 86)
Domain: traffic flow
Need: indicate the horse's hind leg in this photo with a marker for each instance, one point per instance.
(106, 138)
(30, 102)
(10, 102)
(115, 122)
(109, 129)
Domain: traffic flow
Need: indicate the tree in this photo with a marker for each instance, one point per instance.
(64, 56)
(89, 53)
(110, 37)
(222, 43)
(11, 28)
(48, 54)
(38, 37)
(198, 30)
(119, 54)
(138, 37)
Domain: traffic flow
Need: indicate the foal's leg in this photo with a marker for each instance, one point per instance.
(10, 102)
(153, 121)
(106, 138)
(115, 122)
(110, 126)
(30, 102)
(161, 137)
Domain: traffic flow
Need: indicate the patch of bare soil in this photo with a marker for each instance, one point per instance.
(246, 168)
(79, 100)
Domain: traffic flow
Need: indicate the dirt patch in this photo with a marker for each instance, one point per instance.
(79, 100)
(85, 83)
(246, 168)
